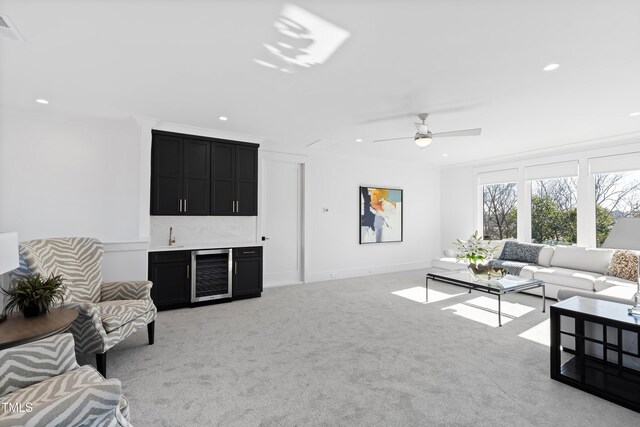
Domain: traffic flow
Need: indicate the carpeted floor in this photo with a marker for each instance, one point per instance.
(356, 352)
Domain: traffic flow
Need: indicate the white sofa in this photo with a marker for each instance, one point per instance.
(564, 267)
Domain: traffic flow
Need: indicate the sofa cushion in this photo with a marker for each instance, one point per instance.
(605, 282)
(114, 314)
(567, 277)
(544, 258)
(528, 271)
(584, 259)
(499, 246)
(624, 264)
(625, 292)
(521, 252)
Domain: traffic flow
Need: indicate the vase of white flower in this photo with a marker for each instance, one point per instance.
(478, 253)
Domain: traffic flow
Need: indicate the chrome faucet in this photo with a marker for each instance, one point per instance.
(172, 239)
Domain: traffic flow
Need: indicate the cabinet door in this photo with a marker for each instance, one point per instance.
(197, 178)
(247, 180)
(167, 175)
(171, 284)
(247, 278)
(223, 190)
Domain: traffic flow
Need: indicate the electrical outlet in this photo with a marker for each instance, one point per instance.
(334, 275)
(204, 229)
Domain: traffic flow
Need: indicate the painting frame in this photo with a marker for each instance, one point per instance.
(368, 226)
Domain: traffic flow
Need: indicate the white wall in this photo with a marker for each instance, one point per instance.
(457, 204)
(460, 209)
(62, 178)
(333, 236)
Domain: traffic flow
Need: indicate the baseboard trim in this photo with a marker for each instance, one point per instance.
(322, 276)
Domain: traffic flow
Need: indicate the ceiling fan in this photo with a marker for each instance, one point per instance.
(423, 136)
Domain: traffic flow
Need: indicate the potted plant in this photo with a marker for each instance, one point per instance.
(33, 295)
(478, 252)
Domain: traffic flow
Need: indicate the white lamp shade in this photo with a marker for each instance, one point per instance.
(423, 141)
(8, 252)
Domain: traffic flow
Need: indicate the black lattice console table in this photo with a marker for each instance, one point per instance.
(595, 347)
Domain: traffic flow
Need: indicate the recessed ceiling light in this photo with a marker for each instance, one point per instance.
(637, 113)
(445, 155)
(358, 140)
(42, 101)
(223, 118)
(551, 67)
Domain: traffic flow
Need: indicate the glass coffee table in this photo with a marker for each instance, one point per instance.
(507, 285)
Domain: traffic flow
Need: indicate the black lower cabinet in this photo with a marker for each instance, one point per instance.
(170, 274)
(247, 272)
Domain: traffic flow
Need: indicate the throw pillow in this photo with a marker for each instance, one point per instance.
(624, 265)
(522, 252)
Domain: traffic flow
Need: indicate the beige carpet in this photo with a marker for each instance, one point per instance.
(357, 352)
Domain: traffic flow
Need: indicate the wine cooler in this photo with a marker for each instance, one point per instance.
(211, 274)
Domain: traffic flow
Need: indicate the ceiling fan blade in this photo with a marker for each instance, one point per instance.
(388, 118)
(466, 132)
(392, 139)
(432, 111)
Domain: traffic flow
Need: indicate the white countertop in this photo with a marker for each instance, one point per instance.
(197, 246)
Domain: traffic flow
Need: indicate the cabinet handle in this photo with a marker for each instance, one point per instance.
(180, 208)
(235, 267)
(233, 206)
(237, 206)
(249, 252)
(188, 271)
(185, 205)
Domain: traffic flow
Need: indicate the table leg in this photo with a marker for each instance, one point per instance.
(499, 312)
(544, 300)
(426, 290)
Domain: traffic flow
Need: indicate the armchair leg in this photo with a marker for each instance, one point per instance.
(101, 363)
(151, 327)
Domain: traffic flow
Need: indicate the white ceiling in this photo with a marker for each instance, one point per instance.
(479, 62)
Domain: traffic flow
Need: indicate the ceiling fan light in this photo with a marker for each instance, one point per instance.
(422, 140)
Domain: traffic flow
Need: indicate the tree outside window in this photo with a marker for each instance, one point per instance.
(500, 216)
(554, 211)
(617, 196)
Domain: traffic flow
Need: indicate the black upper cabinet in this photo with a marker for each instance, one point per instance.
(234, 183)
(166, 175)
(247, 180)
(196, 177)
(180, 176)
(223, 179)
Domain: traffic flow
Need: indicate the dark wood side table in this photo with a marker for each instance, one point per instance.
(18, 330)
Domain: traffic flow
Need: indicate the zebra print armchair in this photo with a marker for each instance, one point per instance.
(41, 384)
(107, 312)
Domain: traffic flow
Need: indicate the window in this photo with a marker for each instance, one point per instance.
(554, 211)
(617, 196)
(500, 216)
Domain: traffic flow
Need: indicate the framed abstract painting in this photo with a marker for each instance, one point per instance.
(380, 215)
